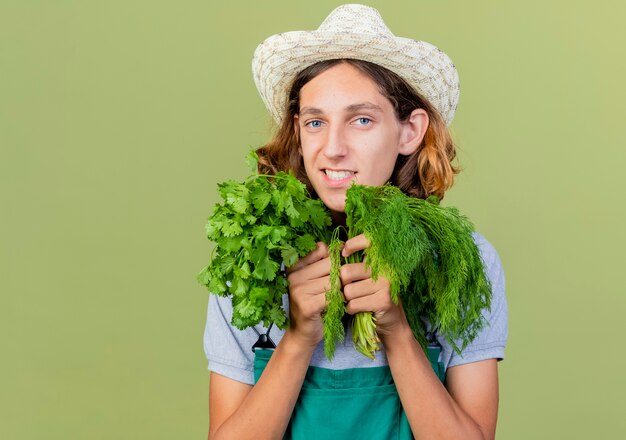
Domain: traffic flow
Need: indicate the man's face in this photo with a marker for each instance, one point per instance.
(349, 132)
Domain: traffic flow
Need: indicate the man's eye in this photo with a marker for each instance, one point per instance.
(363, 121)
(314, 124)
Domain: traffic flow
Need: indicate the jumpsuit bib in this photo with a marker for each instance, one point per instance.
(351, 403)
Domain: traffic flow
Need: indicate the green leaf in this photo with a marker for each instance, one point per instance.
(260, 199)
(290, 209)
(259, 295)
(217, 286)
(243, 270)
(318, 214)
(246, 309)
(305, 244)
(249, 219)
(238, 202)
(295, 188)
(303, 213)
(289, 255)
(277, 316)
(230, 244)
(246, 243)
(252, 160)
(260, 232)
(235, 195)
(226, 265)
(278, 201)
(266, 270)
(277, 233)
(258, 254)
(204, 276)
(231, 229)
(238, 287)
(228, 188)
(214, 225)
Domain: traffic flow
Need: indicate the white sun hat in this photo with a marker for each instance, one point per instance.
(357, 32)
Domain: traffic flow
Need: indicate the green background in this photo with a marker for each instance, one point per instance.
(118, 118)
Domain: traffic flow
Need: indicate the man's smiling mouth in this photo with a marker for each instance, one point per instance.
(338, 175)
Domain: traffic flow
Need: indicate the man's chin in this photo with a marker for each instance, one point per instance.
(336, 204)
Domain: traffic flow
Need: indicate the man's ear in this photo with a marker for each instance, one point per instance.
(413, 131)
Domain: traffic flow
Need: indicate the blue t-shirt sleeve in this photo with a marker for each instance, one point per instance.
(228, 349)
(490, 342)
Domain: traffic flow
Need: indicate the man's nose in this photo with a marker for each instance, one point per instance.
(336, 145)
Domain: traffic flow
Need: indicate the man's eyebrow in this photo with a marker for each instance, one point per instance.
(363, 106)
(310, 111)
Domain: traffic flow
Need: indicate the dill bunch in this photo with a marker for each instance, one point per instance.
(428, 255)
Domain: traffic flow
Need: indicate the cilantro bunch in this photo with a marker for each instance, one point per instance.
(263, 222)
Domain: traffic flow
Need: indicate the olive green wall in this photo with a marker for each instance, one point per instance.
(118, 118)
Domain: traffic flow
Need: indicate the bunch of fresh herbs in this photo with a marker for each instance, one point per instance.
(426, 252)
(263, 222)
(428, 255)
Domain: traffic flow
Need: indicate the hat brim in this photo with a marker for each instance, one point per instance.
(279, 59)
